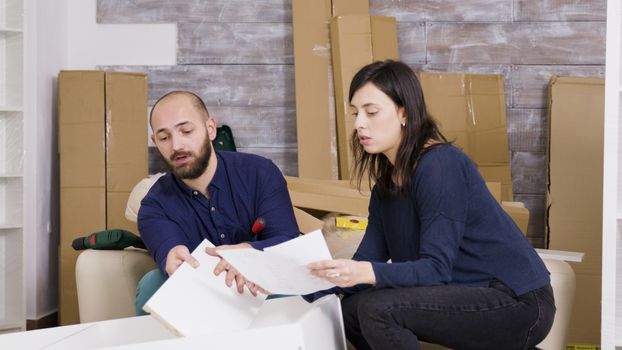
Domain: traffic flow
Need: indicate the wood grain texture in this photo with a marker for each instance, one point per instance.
(560, 10)
(529, 172)
(530, 83)
(259, 127)
(535, 229)
(527, 130)
(222, 85)
(443, 10)
(411, 41)
(238, 43)
(284, 158)
(225, 11)
(516, 43)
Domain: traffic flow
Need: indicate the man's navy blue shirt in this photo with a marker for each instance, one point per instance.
(245, 187)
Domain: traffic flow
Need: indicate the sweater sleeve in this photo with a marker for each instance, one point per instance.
(440, 197)
(372, 248)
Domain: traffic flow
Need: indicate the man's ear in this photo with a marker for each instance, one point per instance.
(211, 128)
(153, 139)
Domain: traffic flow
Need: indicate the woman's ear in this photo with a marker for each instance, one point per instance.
(401, 115)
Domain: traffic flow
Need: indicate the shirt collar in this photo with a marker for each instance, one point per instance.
(218, 181)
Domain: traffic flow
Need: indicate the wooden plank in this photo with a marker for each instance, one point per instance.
(435, 10)
(239, 43)
(517, 43)
(560, 10)
(411, 42)
(500, 69)
(529, 172)
(535, 231)
(284, 158)
(259, 127)
(225, 11)
(530, 83)
(527, 130)
(222, 85)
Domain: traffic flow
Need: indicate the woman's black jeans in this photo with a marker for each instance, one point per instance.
(456, 317)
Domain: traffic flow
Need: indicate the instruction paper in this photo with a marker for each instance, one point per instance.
(282, 269)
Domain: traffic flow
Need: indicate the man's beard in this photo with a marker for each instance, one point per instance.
(194, 168)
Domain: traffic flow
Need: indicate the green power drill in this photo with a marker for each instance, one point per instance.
(116, 239)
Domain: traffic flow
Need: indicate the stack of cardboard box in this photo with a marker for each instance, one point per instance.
(355, 39)
(469, 108)
(103, 154)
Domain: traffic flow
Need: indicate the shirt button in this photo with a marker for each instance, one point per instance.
(195, 193)
(222, 236)
(213, 209)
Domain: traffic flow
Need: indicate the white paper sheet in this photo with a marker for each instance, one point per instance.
(195, 301)
(282, 269)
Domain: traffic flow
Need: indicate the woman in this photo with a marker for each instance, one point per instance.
(461, 274)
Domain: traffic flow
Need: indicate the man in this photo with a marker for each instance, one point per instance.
(206, 194)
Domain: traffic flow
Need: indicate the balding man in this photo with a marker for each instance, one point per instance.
(207, 194)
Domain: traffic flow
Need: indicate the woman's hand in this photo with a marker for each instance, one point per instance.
(344, 272)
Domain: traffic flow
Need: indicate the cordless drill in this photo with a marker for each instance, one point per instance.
(110, 239)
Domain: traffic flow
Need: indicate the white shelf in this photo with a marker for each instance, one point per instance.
(11, 109)
(10, 226)
(12, 135)
(10, 327)
(10, 32)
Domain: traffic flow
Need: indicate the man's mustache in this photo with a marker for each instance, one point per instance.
(180, 154)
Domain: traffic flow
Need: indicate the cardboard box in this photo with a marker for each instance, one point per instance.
(103, 154)
(470, 110)
(315, 109)
(518, 213)
(575, 182)
(353, 38)
(315, 103)
(126, 153)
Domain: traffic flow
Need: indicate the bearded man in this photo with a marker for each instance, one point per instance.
(209, 194)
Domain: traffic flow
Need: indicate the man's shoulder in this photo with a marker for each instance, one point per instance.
(163, 186)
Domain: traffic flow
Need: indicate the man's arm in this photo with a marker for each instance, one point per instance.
(162, 236)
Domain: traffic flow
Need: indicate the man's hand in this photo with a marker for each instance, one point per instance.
(344, 272)
(176, 256)
(232, 273)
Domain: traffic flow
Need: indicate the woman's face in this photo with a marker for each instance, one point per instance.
(378, 121)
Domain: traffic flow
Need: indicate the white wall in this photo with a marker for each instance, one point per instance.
(62, 34)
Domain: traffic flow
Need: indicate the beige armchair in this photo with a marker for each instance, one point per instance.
(106, 279)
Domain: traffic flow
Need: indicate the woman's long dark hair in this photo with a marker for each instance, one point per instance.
(400, 83)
